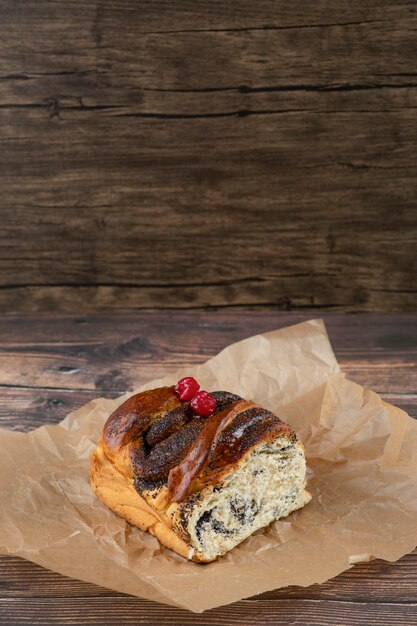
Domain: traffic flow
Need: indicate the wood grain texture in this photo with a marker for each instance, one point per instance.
(125, 610)
(50, 364)
(23, 409)
(190, 154)
(377, 581)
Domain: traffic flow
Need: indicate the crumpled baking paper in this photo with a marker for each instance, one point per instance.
(362, 473)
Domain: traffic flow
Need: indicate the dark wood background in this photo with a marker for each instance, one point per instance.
(194, 153)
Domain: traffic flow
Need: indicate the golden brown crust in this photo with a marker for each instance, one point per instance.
(152, 432)
(149, 435)
(123, 430)
(119, 495)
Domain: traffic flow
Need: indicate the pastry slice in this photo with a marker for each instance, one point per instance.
(199, 471)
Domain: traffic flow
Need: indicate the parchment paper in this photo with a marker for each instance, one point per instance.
(362, 458)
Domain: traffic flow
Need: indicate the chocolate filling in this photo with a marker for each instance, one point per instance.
(163, 433)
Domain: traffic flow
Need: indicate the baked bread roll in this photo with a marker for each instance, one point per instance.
(201, 484)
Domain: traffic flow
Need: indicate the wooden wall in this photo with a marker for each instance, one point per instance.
(208, 153)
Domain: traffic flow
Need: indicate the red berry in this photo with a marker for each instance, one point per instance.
(186, 388)
(203, 403)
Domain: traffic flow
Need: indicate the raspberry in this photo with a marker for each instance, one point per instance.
(186, 388)
(203, 403)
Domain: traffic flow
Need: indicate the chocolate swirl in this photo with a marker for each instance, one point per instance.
(180, 478)
(164, 443)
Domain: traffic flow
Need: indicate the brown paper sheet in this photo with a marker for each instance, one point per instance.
(362, 459)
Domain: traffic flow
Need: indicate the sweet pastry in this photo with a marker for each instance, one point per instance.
(200, 471)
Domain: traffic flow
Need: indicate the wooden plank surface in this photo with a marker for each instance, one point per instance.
(189, 154)
(51, 364)
(115, 611)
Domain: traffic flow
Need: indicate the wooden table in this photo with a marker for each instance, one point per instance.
(51, 364)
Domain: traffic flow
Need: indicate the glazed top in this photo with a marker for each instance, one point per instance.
(158, 440)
